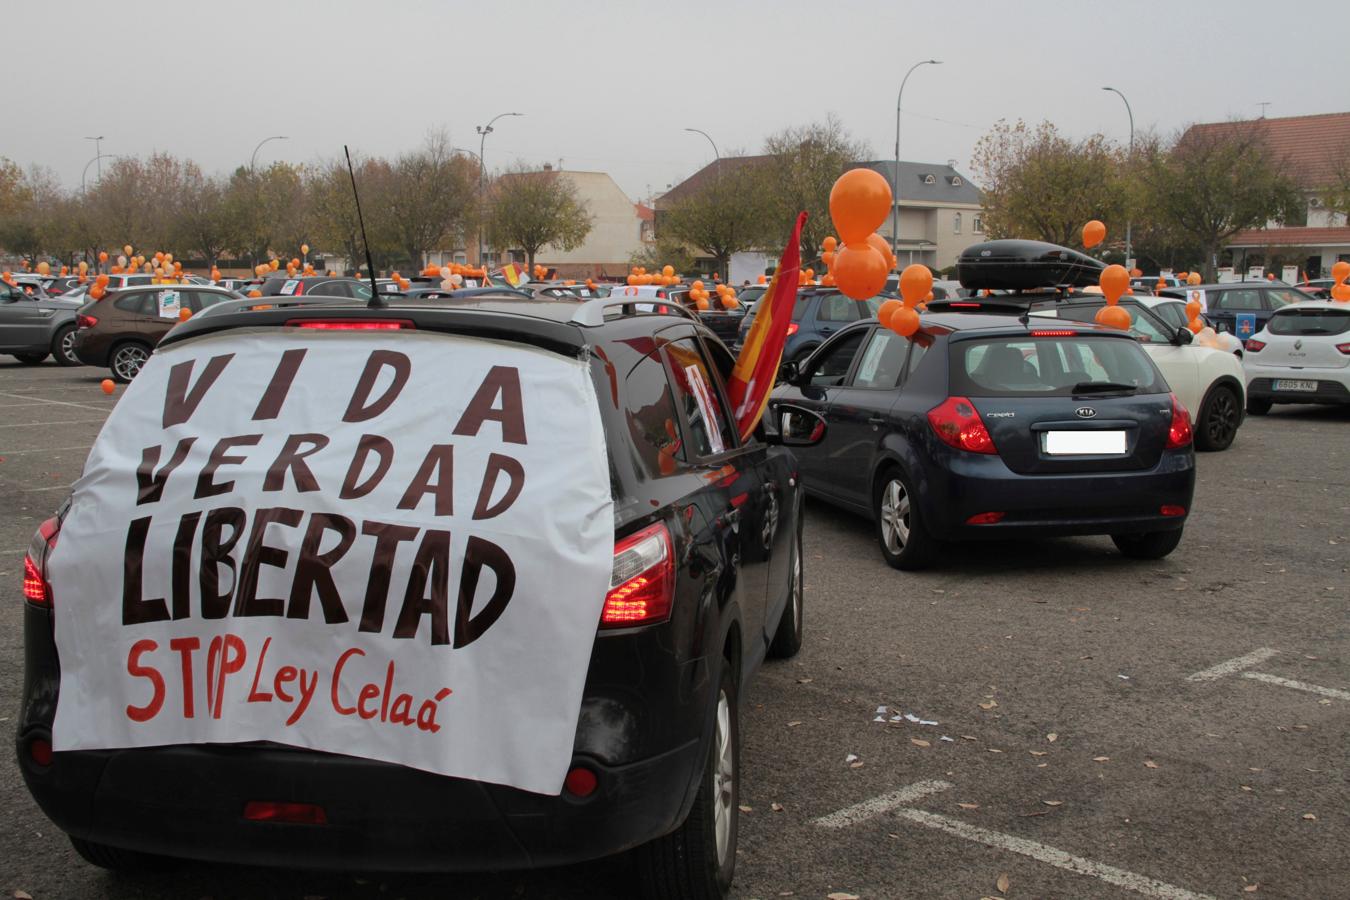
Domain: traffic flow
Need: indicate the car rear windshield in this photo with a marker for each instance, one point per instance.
(1309, 321)
(1026, 365)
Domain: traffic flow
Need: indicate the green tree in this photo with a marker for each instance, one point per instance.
(726, 216)
(429, 198)
(336, 228)
(202, 222)
(1214, 182)
(664, 251)
(803, 163)
(1040, 184)
(531, 209)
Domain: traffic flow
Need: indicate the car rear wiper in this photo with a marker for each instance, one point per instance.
(1103, 387)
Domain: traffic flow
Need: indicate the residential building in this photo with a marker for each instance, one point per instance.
(1316, 150)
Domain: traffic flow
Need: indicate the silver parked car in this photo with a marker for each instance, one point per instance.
(32, 327)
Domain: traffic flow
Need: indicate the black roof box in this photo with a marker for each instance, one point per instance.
(1013, 265)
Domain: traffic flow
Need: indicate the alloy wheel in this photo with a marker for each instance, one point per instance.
(128, 360)
(895, 516)
(1222, 418)
(67, 349)
(724, 778)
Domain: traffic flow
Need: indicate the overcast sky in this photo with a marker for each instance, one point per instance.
(610, 86)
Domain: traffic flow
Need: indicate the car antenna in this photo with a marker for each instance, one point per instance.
(376, 301)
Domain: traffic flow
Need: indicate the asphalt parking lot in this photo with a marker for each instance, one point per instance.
(1103, 727)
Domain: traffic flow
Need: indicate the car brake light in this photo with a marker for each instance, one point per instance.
(1254, 346)
(642, 584)
(793, 328)
(36, 589)
(986, 518)
(580, 782)
(1172, 511)
(40, 751)
(352, 324)
(1344, 348)
(291, 813)
(1065, 332)
(1179, 433)
(957, 423)
(86, 321)
(964, 305)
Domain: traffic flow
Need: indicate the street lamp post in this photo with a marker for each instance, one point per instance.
(98, 152)
(716, 155)
(483, 132)
(895, 176)
(90, 163)
(1128, 224)
(253, 160)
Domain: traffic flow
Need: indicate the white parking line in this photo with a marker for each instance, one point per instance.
(4, 453)
(56, 402)
(45, 424)
(868, 809)
(1140, 884)
(1298, 685)
(1234, 665)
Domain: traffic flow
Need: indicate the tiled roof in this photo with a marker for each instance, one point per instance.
(706, 176)
(1312, 146)
(949, 185)
(1291, 237)
(645, 212)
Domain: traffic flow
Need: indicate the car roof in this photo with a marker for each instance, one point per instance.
(141, 288)
(1315, 304)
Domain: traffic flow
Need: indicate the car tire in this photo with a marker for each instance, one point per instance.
(697, 860)
(30, 359)
(1220, 415)
(905, 542)
(1153, 545)
(116, 858)
(126, 360)
(1258, 406)
(63, 346)
(787, 639)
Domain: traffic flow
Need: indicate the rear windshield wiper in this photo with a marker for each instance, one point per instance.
(1103, 387)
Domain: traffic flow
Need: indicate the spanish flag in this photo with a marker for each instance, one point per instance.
(514, 274)
(757, 367)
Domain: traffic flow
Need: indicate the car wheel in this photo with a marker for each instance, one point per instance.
(1153, 545)
(63, 346)
(30, 359)
(116, 858)
(905, 543)
(1258, 406)
(697, 860)
(1219, 417)
(127, 360)
(787, 640)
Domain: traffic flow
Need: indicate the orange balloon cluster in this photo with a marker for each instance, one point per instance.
(639, 275)
(1094, 233)
(100, 287)
(1114, 281)
(1340, 291)
(916, 286)
(860, 202)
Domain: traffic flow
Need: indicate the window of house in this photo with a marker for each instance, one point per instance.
(956, 181)
(929, 179)
(461, 259)
(956, 223)
(977, 224)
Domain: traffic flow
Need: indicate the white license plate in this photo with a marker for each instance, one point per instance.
(1084, 443)
(1286, 384)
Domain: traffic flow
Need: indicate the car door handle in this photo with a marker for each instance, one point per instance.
(827, 330)
(876, 421)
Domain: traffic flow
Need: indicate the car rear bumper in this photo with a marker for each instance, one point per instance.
(89, 350)
(1055, 505)
(1331, 389)
(188, 802)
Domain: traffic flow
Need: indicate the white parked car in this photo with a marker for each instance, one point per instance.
(1173, 312)
(1208, 381)
(1301, 356)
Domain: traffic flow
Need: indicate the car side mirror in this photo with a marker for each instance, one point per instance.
(1182, 337)
(797, 426)
(789, 372)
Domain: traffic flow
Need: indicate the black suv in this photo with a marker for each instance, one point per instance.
(818, 313)
(655, 763)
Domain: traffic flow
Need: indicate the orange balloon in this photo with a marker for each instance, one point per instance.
(184, 314)
(102, 280)
(828, 259)
(107, 385)
(255, 293)
(829, 244)
(1114, 317)
(103, 256)
(1181, 276)
(1094, 233)
(859, 202)
(127, 249)
(668, 271)
(697, 285)
(730, 302)
(1341, 271)
(1137, 272)
(276, 264)
(1114, 280)
(884, 248)
(763, 279)
(887, 310)
(915, 283)
(905, 322)
(1340, 292)
(1195, 325)
(702, 302)
(1193, 309)
(860, 270)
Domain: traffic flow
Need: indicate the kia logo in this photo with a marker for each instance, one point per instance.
(1085, 412)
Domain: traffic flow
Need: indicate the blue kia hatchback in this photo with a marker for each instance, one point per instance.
(993, 427)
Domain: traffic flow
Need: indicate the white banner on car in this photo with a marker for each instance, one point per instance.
(392, 549)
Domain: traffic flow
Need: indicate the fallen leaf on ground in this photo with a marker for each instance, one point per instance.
(840, 895)
(917, 742)
(1002, 883)
(1036, 752)
(1052, 737)
(1310, 817)
(1101, 759)
(969, 737)
(969, 805)
(1032, 815)
(1053, 802)
(993, 750)
(22, 895)
(989, 704)
(856, 765)
(1252, 888)
(1150, 764)
(776, 807)
(805, 680)
(746, 809)
(793, 724)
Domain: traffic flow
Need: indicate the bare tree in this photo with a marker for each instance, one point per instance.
(429, 197)
(804, 162)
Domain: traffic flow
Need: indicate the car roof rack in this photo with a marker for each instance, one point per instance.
(591, 314)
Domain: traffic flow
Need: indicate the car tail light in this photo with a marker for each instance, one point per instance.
(1344, 348)
(1179, 433)
(352, 324)
(986, 518)
(86, 321)
(290, 813)
(642, 585)
(36, 589)
(958, 424)
(793, 328)
(1255, 346)
(1063, 332)
(40, 751)
(1172, 511)
(964, 305)
(580, 782)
